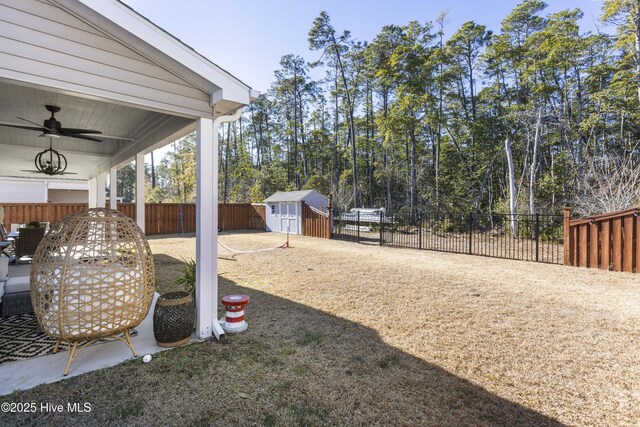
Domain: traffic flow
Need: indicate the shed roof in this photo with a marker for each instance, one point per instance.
(289, 196)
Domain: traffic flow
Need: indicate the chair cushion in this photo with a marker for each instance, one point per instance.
(17, 284)
(4, 266)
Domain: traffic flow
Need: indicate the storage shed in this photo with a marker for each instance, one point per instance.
(284, 209)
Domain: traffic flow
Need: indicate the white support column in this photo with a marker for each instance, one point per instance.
(206, 228)
(113, 188)
(101, 196)
(93, 193)
(140, 190)
(207, 225)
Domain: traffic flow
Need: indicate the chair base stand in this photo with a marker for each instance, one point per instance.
(75, 349)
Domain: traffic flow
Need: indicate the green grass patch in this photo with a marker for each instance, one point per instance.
(358, 359)
(281, 387)
(132, 408)
(287, 351)
(388, 361)
(309, 337)
(270, 420)
(307, 413)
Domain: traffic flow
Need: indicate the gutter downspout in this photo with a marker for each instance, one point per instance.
(216, 328)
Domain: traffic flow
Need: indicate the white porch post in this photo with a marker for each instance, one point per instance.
(207, 225)
(101, 197)
(113, 188)
(93, 193)
(206, 228)
(140, 190)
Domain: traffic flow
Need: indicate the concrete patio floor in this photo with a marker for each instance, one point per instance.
(25, 374)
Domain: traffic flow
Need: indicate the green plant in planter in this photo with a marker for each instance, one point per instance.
(33, 224)
(188, 278)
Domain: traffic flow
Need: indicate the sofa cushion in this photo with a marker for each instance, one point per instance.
(1, 289)
(17, 284)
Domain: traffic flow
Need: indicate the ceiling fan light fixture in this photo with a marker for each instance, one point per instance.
(50, 162)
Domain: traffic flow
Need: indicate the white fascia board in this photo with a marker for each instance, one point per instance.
(8, 180)
(118, 17)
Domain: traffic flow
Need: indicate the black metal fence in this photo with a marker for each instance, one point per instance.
(523, 237)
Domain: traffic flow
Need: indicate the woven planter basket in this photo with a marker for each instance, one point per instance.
(173, 319)
(92, 277)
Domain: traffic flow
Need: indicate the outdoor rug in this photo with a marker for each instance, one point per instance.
(20, 339)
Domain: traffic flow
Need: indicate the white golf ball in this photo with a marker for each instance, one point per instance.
(146, 358)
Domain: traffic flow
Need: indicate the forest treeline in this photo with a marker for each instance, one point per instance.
(527, 118)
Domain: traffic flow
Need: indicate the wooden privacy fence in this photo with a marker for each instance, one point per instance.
(160, 218)
(240, 216)
(315, 223)
(23, 213)
(609, 241)
(164, 218)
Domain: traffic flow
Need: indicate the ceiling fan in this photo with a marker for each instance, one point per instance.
(53, 128)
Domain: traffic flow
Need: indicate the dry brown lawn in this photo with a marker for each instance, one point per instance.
(347, 334)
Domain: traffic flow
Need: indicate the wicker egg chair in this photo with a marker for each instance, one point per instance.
(92, 277)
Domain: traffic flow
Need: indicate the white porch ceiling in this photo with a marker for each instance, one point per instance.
(18, 147)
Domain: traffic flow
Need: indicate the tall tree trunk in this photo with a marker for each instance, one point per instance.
(369, 135)
(352, 129)
(387, 168)
(336, 127)
(413, 192)
(305, 156)
(579, 124)
(226, 165)
(512, 185)
(153, 172)
(296, 174)
(533, 169)
(636, 21)
(441, 22)
(258, 142)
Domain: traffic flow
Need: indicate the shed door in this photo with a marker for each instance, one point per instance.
(289, 217)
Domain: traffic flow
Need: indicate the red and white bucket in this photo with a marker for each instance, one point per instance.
(234, 316)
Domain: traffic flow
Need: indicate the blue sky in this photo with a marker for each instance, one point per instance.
(248, 37)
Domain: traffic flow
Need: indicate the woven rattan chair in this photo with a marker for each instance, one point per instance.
(92, 277)
(28, 242)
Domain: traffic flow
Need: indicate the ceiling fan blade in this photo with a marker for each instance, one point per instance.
(116, 137)
(40, 127)
(80, 136)
(11, 125)
(69, 131)
(59, 173)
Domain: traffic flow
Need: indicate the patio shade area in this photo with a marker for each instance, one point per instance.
(45, 367)
(119, 87)
(345, 334)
